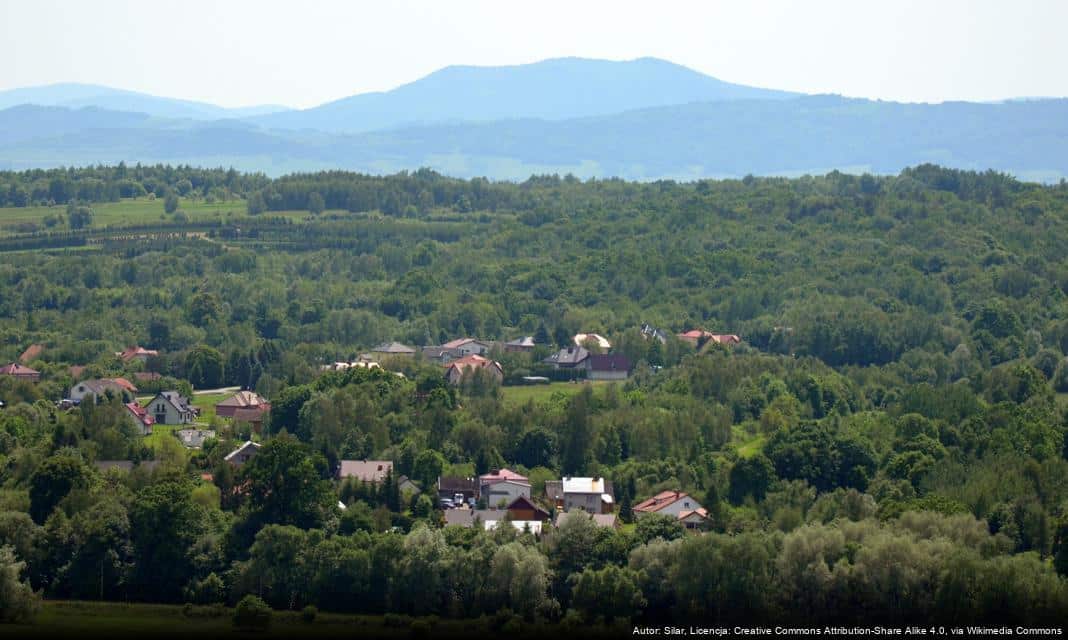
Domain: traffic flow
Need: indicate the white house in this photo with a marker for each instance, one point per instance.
(466, 347)
(593, 495)
(170, 408)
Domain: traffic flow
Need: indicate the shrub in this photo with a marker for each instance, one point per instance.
(308, 613)
(252, 614)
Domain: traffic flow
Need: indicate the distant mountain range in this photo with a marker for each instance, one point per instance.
(642, 119)
(555, 89)
(90, 95)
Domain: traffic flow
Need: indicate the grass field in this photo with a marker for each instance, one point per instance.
(59, 618)
(539, 393)
(131, 211)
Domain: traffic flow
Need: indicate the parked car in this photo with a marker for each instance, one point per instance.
(446, 503)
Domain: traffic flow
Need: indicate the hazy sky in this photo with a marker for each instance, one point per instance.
(302, 53)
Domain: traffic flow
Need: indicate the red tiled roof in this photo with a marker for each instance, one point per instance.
(243, 399)
(125, 384)
(16, 369)
(659, 501)
(140, 413)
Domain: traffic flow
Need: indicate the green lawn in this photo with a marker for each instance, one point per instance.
(207, 404)
(132, 211)
(539, 393)
(59, 618)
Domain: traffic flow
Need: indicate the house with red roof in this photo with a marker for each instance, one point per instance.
(20, 372)
(677, 504)
(700, 337)
(455, 370)
(467, 346)
(141, 418)
(241, 400)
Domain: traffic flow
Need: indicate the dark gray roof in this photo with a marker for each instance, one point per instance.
(569, 355)
(180, 403)
(393, 347)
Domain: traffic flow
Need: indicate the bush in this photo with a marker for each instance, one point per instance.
(18, 602)
(308, 613)
(420, 629)
(252, 614)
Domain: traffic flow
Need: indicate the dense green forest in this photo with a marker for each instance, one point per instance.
(889, 441)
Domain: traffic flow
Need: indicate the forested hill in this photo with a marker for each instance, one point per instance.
(888, 442)
(863, 270)
(732, 138)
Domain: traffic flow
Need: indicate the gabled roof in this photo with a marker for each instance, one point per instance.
(393, 347)
(31, 353)
(659, 501)
(16, 369)
(526, 341)
(695, 334)
(125, 384)
(248, 446)
(617, 362)
(100, 386)
(176, 400)
(243, 399)
(522, 502)
(365, 470)
(700, 513)
(474, 361)
(459, 342)
(569, 355)
(140, 413)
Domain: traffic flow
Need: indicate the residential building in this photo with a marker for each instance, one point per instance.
(649, 331)
(393, 349)
(502, 485)
(455, 370)
(607, 367)
(568, 358)
(20, 372)
(467, 346)
(523, 509)
(99, 388)
(593, 495)
(524, 344)
(676, 504)
(129, 354)
(243, 454)
(240, 400)
(407, 485)
(700, 337)
(169, 407)
(373, 471)
(140, 418)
